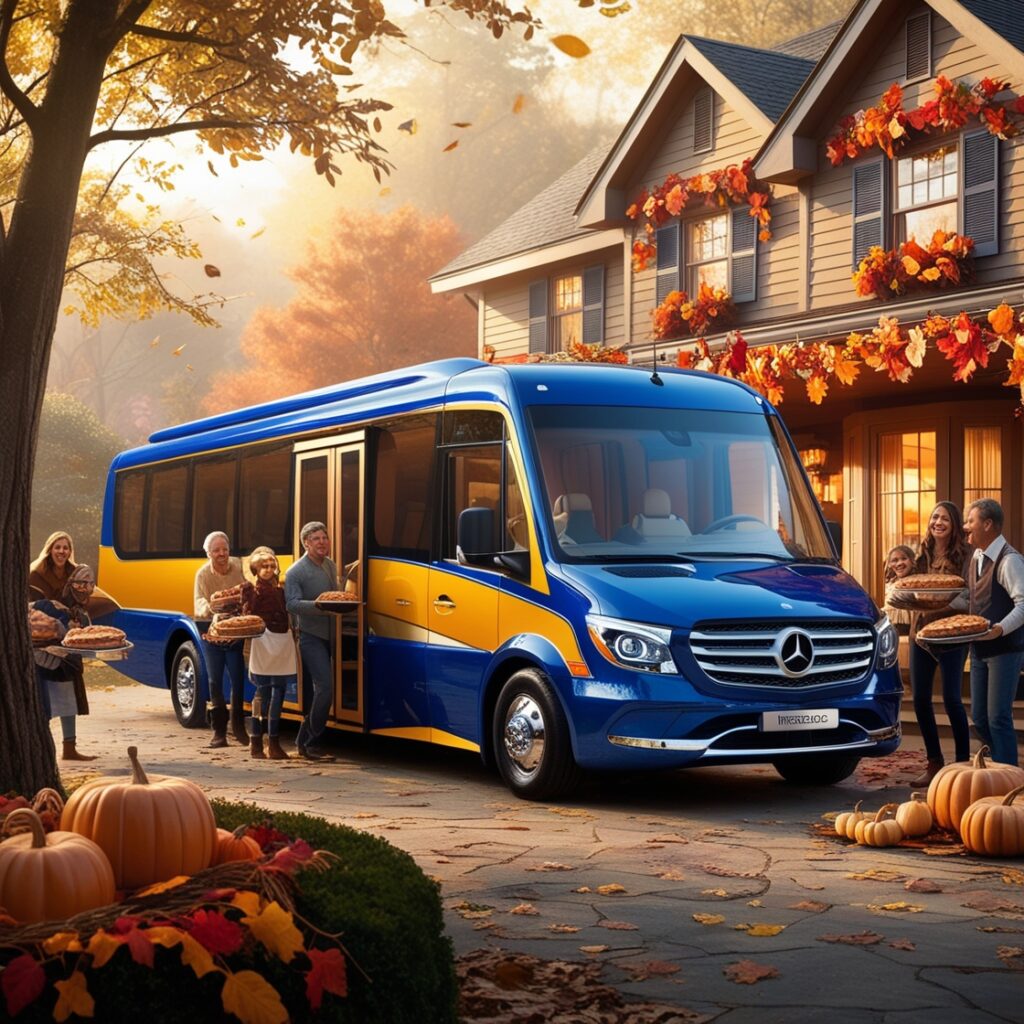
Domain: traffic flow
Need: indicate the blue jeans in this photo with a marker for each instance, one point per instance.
(950, 662)
(316, 667)
(270, 693)
(993, 687)
(219, 657)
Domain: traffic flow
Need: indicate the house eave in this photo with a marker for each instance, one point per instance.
(530, 259)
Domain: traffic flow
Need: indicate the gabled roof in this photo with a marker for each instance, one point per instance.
(810, 45)
(790, 151)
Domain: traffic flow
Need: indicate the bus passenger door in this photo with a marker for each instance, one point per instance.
(329, 488)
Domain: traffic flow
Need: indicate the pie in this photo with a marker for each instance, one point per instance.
(225, 598)
(337, 595)
(929, 581)
(954, 625)
(95, 637)
(237, 626)
(43, 626)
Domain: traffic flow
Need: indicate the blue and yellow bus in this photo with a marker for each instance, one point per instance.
(562, 567)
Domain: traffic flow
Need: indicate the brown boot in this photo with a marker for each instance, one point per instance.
(274, 749)
(929, 773)
(256, 747)
(71, 754)
(219, 725)
(238, 726)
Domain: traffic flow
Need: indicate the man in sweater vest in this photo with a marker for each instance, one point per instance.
(995, 580)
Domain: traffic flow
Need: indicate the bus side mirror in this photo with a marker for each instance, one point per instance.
(475, 536)
(835, 531)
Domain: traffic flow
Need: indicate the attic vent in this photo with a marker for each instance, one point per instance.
(703, 109)
(919, 46)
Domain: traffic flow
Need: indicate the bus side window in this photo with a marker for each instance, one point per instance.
(264, 513)
(213, 499)
(472, 480)
(131, 493)
(165, 516)
(518, 537)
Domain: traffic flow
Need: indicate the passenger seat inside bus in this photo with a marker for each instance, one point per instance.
(574, 519)
(656, 520)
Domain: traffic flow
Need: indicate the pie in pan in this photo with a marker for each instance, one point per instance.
(952, 626)
(95, 637)
(929, 581)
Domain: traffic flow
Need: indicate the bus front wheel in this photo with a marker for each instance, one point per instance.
(816, 770)
(186, 690)
(531, 738)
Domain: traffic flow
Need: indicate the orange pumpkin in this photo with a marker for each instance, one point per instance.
(881, 830)
(235, 846)
(847, 821)
(994, 825)
(957, 786)
(151, 829)
(914, 817)
(48, 877)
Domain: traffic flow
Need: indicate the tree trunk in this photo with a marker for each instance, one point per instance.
(31, 277)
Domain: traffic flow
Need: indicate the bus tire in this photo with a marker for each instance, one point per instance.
(531, 738)
(816, 769)
(186, 687)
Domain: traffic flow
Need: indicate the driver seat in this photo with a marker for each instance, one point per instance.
(574, 519)
(657, 521)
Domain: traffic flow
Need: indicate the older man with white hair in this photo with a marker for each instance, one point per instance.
(219, 573)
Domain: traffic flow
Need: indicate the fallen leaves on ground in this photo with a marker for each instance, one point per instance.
(701, 918)
(525, 908)
(989, 902)
(903, 944)
(746, 972)
(1012, 956)
(669, 839)
(876, 875)
(571, 812)
(1012, 876)
(897, 907)
(715, 869)
(922, 885)
(563, 929)
(617, 926)
(761, 931)
(469, 911)
(672, 876)
(611, 889)
(551, 865)
(650, 969)
(502, 988)
(811, 906)
(860, 939)
(594, 949)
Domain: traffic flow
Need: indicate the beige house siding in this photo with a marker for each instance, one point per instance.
(506, 320)
(831, 216)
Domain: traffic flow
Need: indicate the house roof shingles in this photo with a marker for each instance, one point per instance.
(810, 45)
(1000, 16)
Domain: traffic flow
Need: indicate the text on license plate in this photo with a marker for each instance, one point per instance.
(790, 721)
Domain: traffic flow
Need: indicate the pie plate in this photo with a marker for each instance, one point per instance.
(338, 606)
(100, 653)
(964, 638)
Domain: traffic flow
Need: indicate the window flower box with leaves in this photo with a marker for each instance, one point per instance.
(679, 315)
(946, 262)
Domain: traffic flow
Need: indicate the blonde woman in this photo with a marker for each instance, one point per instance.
(50, 572)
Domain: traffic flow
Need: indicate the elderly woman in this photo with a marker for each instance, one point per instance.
(49, 573)
(64, 675)
(221, 572)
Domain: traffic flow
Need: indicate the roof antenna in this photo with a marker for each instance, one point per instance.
(655, 379)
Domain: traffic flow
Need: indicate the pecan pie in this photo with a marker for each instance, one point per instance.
(237, 626)
(337, 595)
(929, 581)
(95, 637)
(952, 626)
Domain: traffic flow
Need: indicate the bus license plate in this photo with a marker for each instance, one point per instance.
(793, 721)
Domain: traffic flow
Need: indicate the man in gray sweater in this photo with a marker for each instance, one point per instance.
(305, 581)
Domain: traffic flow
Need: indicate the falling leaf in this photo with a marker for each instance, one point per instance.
(189, 367)
(899, 907)
(922, 885)
(22, 982)
(518, 104)
(571, 46)
(525, 909)
(562, 928)
(275, 928)
(618, 926)
(385, 192)
(746, 972)
(860, 939)
(74, 998)
(708, 918)
(252, 999)
(177, 352)
(209, 164)
(462, 124)
(902, 944)
(594, 949)
(611, 889)
(258, 232)
(240, 223)
(328, 972)
(409, 126)
(155, 342)
(209, 269)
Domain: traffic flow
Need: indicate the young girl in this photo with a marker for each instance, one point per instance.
(898, 563)
(272, 664)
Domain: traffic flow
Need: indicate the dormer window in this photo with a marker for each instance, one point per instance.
(927, 193)
(703, 120)
(919, 46)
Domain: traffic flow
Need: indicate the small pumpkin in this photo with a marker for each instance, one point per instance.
(235, 846)
(151, 829)
(845, 822)
(994, 825)
(914, 816)
(881, 830)
(50, 876)
(956, 786)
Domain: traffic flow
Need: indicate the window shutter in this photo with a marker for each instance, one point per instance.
(667, 241)
(703, 120)
(868, 208)
(539, 316)
(593, 305)
(743, 238)
(919, 46)
(980, 185)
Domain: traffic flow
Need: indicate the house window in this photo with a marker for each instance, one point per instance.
(707, 253)
(983, 464)
(926, 193)
(907, 476)
(567, 312)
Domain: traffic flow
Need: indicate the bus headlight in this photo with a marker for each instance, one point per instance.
(634, 645)
(888, 648)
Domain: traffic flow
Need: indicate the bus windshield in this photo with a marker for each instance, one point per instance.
(627, 483)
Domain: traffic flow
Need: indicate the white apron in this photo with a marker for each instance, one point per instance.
(62, 698)
(272, 654)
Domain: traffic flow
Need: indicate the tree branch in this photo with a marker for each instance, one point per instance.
(161, 131)
(126, 20)
(28, 110)
(169, 36)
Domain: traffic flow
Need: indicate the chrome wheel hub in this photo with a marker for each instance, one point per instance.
(185, 684)
(524, 734)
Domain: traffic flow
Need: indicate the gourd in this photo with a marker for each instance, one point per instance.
(994, 825)
(956, 786)
(150, 829)
(882, 830)
(50, 876)
(235, 846)
(845, 822)
(914, 816)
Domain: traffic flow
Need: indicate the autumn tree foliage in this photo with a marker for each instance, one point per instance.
(75, 75)
(363, 306)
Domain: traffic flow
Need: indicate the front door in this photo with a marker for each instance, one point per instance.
(329, 488)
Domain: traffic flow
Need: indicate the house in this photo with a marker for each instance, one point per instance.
(765, 178)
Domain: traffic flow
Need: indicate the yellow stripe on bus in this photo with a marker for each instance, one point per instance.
(429, 735)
